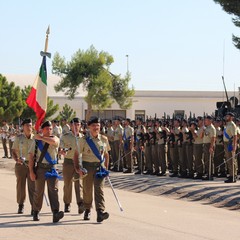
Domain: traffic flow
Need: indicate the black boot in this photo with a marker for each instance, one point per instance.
(57, 215)
(67, 208)
(87, 214)
(102, 215)
(80, 208)
(36, 216)
(20, 208)
(231, 180)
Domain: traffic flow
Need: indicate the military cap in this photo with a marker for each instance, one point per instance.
(230, 114)
(94, 120)
(26, 120)
(46, 124)
(75, 120)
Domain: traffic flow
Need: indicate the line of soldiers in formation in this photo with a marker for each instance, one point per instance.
(36, 156)
(199, 149)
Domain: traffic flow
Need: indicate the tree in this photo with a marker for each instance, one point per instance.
(11, 101)
(90, 69)
(67, 113)
(29, 113)
(232, 7)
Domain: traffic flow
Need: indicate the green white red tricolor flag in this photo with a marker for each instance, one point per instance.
(37, 99)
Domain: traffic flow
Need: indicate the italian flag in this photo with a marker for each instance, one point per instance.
(37, 99)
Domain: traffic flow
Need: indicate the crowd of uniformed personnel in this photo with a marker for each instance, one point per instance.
(199, 148)
(37, 155)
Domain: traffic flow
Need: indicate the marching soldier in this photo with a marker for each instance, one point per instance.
(67, 148)
(128, 141)
(230, 147)
(238, 143)
(20, 149)
(209, 139)
(94, 149)
(45, 151)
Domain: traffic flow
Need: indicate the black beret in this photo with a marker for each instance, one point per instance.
(128, 120)
(140, 119)
(193, 123)
(55, 121)
(27, 120)
(209, 117)
(230, 114)
(46, 124)
(75, 120)
(217, 119)
(94, 120)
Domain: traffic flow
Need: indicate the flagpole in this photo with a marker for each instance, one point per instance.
(46, 53)
(46, 40)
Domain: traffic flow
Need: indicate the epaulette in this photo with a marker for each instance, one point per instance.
(104, 137)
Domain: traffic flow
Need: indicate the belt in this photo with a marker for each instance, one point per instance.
(44, 165)
(68, 161)
(91, 164)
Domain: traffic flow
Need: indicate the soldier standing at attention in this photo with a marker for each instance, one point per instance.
(20, 149)
(65, 126)
(117, 143)
(175, 145)
(94, 152)
(67, 148)
(140, 131)
(230, 147)
(198, 132)
(46, 150)
(4, 136)
(109, 134)
(128, 142)
(209, 139)
(219, 150)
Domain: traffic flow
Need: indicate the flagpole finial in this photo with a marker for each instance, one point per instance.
(46, 40)
(45, 52)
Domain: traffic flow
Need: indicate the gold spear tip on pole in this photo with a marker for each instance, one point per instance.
(48, 30)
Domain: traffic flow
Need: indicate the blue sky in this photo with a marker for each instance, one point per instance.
(172, 45)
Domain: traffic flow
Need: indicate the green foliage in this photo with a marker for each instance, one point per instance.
(11, 101)
(121, 93)
(232, 7)
(67, 113)
(90, 69)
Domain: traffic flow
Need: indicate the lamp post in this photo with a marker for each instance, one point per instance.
(127, 63)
